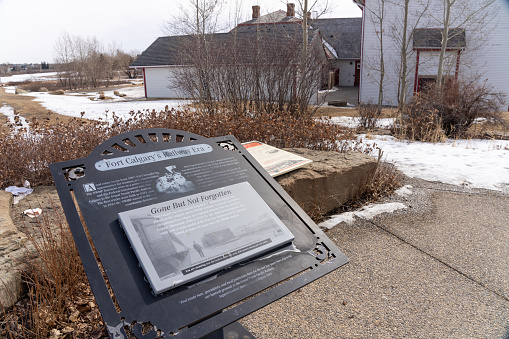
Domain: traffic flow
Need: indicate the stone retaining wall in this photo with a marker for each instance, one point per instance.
(329, 181)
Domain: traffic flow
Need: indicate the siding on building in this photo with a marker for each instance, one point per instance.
(489, 59)
(495, 63)
(159, 83)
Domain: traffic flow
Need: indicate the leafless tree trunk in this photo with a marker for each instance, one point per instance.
(319, 8)
(445, 37)
(402, 32)
(471, 14)
(377, 15)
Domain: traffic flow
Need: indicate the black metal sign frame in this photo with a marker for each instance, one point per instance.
(146, 167)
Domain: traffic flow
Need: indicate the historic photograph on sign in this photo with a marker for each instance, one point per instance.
(184, 239)
(274, 160)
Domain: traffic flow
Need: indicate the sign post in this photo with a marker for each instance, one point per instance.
(174, 228)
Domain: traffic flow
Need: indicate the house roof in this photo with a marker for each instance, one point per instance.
(175, 50)
(272, 30)
(163, 51)
(431, 38)
(343, 34)
(291, 29)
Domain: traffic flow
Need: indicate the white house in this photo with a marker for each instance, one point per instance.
(337, 41)
(477, 46)
(161, 61)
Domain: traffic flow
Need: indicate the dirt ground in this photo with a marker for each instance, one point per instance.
(28, 108)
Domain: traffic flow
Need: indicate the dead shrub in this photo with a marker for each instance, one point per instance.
(59, 297)
(369, 115)
(450, 110)
(419, 123)
(36, 86)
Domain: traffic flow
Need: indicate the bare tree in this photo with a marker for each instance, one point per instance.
(195, 17)
(83, 62)
(124, 60)
(263, 71)
(4, 68)
(319, 7)
(377, 64)
(235, 14)
(473, 14)
(402, 33)
(64, 58)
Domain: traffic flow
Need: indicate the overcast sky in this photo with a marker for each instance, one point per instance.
(30, 28)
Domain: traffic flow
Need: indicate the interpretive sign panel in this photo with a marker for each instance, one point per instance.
(183, 239)
(275, 161)
(174, 228)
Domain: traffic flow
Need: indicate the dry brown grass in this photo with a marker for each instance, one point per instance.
(59, 299)
(330, 111)
(384, 181)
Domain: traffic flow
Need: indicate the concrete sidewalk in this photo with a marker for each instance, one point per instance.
(439, 269)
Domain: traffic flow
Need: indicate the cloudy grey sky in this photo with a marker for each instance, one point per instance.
(30, 28)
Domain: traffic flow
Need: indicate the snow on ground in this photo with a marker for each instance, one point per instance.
(354, 122)
(469, 163)
(72, 104)
(10, 89)
(366, 212)
(9, 113)
(25, 77)
(404, 191)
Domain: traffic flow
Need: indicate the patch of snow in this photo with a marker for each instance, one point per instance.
(72, 104)
(366, 212)
(8, 111)
(470, 163)
(354, 122)
(329, 46)
(334, 89)
(10, 89)
(404, 191)
(31, 77)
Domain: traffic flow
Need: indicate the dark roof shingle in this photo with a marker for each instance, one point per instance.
(431, 38)
(343, 34)
(273, 43)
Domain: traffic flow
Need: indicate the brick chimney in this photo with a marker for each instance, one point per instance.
(256, 12)
(290, 9)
